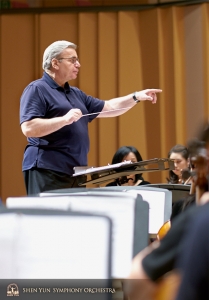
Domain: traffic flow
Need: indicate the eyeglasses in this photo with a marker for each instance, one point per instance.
(73, 59)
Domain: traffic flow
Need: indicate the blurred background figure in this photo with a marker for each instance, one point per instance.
(180, 155)
(194, 255)
(127, 153)
(185, 247)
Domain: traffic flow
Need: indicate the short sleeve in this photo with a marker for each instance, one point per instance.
(32, 104)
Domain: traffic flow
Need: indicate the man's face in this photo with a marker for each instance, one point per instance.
(68, 65)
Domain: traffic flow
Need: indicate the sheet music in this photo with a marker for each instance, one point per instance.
(156, 202)
(121, 210)
(57, 202)
(79, 244)
(90, 170)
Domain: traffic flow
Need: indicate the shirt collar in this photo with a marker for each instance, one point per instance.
(53, 84)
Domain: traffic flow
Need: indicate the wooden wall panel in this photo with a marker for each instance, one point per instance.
(107, 83)
(148, 23)
(132, 130)
(17, 70)
(179, 74)
(166, 80)
(120, 53)
(53, 27)
(88, 77)
(205, 41)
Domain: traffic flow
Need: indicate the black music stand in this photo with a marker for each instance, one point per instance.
(179, 191)
(86, 175)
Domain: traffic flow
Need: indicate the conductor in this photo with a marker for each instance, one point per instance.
(54, 117)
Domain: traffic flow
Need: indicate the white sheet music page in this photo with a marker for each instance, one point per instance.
(8, 227)
(156, 202)
(53, 247)
(121, 210)
(57, 202)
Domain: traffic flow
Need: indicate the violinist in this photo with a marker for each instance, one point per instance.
(180, 155)
(127, 153)
(160, 257)
(198, 176)
(180, 175)
(195, 256)
(154, 264)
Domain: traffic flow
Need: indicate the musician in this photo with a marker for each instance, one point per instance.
(159, 258)
(193, 261)
(195, 148)
(128, 153)
(180, 155)
(182, 204)
(52, 117)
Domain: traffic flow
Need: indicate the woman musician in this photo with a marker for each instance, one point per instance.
(127, 153)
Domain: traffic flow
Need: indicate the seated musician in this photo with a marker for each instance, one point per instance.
(160, 258)
(127, 153)
(180, 155)
(156, 262)
(193, 261)
(195, 149)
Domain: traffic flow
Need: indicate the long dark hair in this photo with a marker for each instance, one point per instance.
(173, 178)
(124, 151)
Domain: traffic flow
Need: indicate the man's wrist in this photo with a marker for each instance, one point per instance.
(134, 97)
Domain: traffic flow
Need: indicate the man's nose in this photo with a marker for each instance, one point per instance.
(77, 63)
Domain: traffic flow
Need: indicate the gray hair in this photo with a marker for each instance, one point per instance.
(53, 50)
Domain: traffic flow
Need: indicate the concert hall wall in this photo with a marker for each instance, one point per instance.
(120, 52)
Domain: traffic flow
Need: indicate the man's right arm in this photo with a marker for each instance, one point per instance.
(39, 127)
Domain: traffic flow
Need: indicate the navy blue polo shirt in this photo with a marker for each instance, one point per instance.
(67, 147)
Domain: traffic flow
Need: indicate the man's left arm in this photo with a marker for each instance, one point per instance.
(118, 106)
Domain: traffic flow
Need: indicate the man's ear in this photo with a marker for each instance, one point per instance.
(55, 63)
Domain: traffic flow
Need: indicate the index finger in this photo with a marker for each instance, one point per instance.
(154, 90)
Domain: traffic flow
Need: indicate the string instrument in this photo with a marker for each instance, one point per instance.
(186, 177)
(128, 181)
(163, 230)
(123, 180)
(168, 286)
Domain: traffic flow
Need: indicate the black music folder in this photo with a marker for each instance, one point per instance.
(179, 191)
